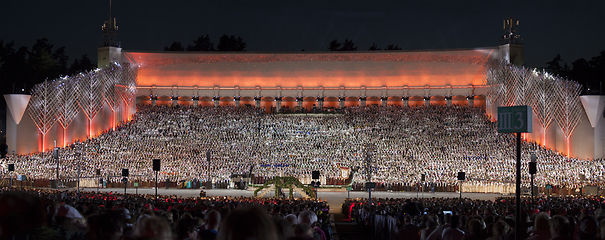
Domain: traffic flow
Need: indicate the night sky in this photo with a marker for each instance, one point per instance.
(575, 29)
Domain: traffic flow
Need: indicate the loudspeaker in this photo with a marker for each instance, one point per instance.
(461, 176)
(533, 168)
(422, 177)
(315, 175)
(208, 156)
(124, 172)
(98, 172)
(55, 153)
(3, 150)
(156, 164)
(11, 167)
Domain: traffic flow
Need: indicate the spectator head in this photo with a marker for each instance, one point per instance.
(430, 223)
(292, 219)
(109, 225)
(153, 228)
(186, 228)
(541, 221)
(454, 221)
(213, 220)
(168, 216)
(500, 228)
(559, 226)
(284, 228)
(475, 226)
(307, 217)
(65, 211)
(447, 218)
(303, 231)
(587, 228)
(251, 223)
(68, 217)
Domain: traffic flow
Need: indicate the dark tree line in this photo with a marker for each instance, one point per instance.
(348, 45)
(21, 68)
(203, 43)
(591, 74)
(375, 47)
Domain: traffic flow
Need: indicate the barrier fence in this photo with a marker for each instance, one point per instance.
(500, 188)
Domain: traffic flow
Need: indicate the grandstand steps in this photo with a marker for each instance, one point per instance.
(270, 189)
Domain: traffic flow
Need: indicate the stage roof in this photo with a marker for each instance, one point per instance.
(312, 69)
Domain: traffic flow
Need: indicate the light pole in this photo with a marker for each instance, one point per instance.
(79, 162)
(209, 181)
(532, 170)
(11, 169)
(125, 179)
(422, 181)
(56, 157)
(156, 169)
(98, 173)
(369, 184)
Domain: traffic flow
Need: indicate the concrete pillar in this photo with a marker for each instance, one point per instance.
(448, 100)
(341, 101)
(257, 101)
(299, 102)
(363, 101)
(471, 100)
(320, 103)
(196, 101)
(237, 101)
(278, 104)
(406, 101)
(175, 100)
(427, 101)
(384, 101)
(216, 100)
(16, 104)
(154, 100)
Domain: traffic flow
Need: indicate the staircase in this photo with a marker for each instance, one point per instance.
(300, 191)
(270, 189)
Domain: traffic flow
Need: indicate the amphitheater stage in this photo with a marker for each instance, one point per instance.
(334, 198)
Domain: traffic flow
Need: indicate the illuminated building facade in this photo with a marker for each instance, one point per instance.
(275, 82)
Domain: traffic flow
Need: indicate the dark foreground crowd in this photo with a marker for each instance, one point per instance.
(53, 214)
(455, 219)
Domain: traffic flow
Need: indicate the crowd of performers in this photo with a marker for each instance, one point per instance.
(400, 142)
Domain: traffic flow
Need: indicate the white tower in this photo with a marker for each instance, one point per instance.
(511, 49)
(110, 50)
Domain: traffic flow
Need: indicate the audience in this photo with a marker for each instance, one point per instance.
(54, 214)
(251, 223)
(552, 218)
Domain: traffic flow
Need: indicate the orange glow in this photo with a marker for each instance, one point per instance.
(177, 71)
